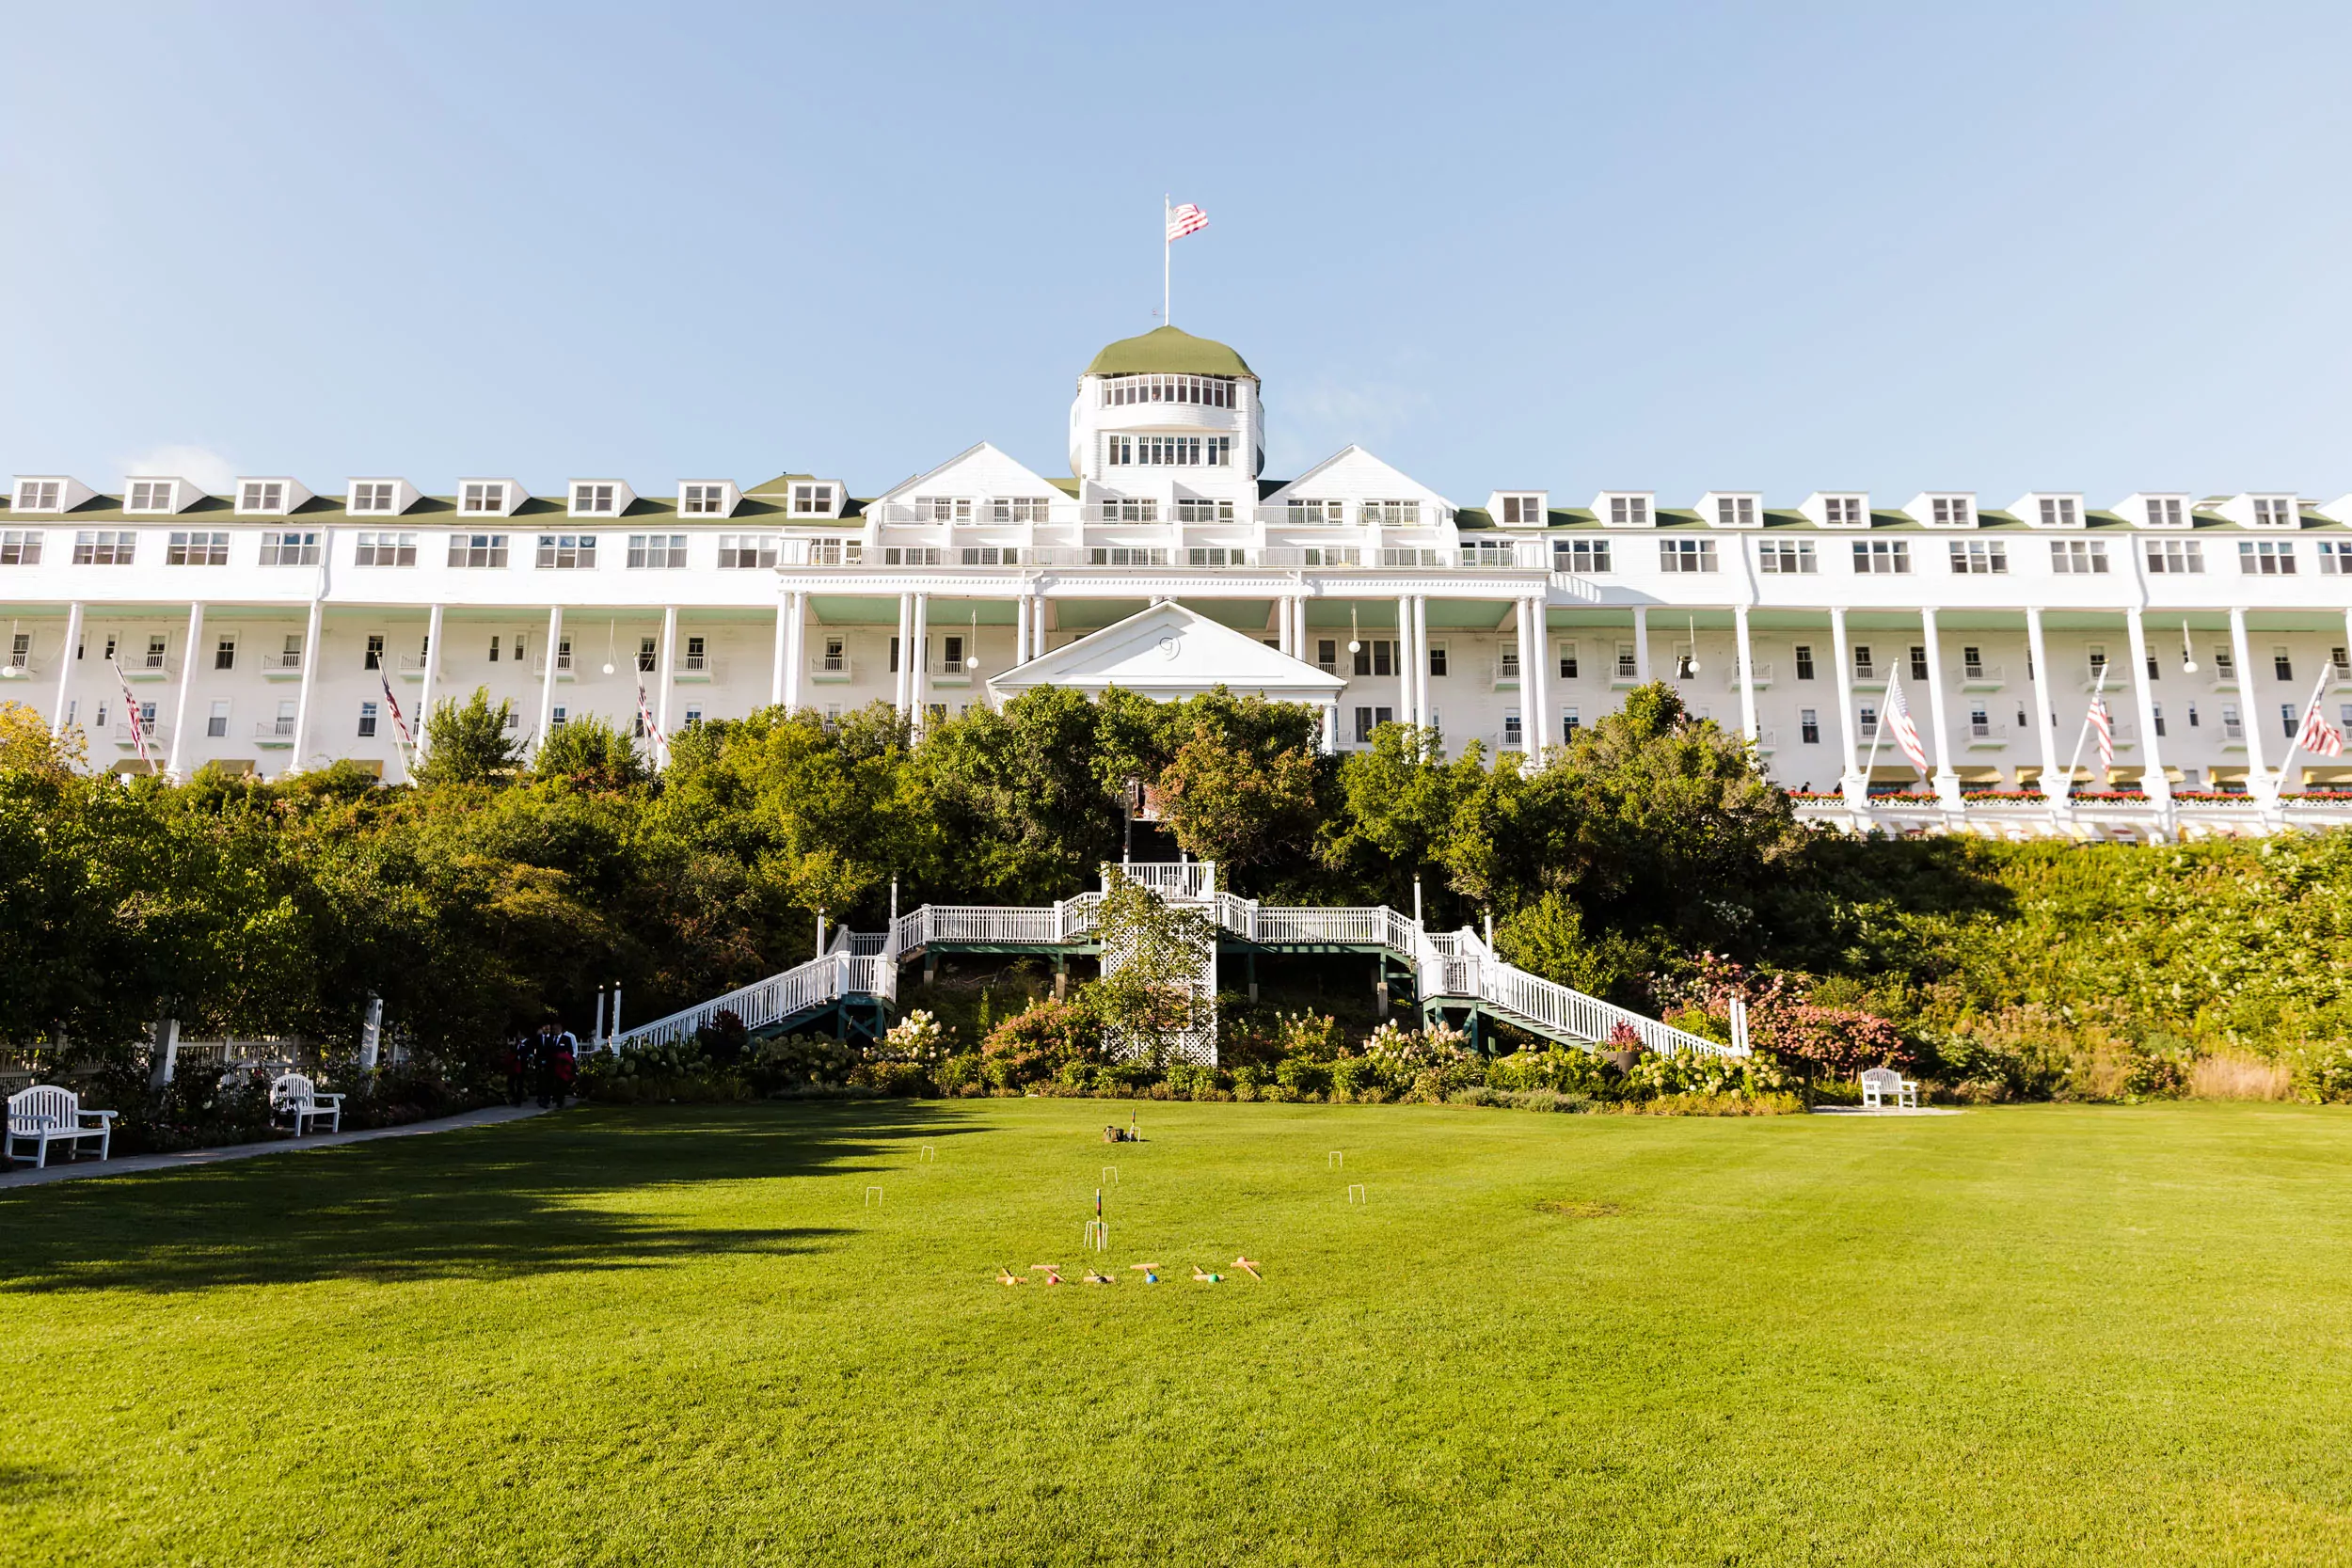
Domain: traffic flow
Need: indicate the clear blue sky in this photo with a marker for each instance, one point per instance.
(1669, 246)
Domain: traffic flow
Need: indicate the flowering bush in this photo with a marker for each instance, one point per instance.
(1784, 1019)
(2327, 1077)
(1038, 1041)
(1403, 1058)
(917, 1038)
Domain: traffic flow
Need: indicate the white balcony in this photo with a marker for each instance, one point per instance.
(274, 733)
(282, 667)
(695, 670)
(1623, 675)
(563, 667)
(832, 669)
(1306, 514)
(156, 733)
(149, 667)
(1314, 557)
(1987, 734)
(1762, 669)
(409, 667)
(1505, 674)
(1869, 675)
(19, 670)
(1980, 676)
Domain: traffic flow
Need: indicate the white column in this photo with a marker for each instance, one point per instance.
(432, 674)
(918, 672)
(1330, 727)
(2054, 788)
(2151, 779)
(1421, 659)
(65, 666)
(547, 684)
(166, 1064)
(1020, 629)
(187, 685)
(1523, 630)
(1746, 654)
(1856, 787)
(665, 671)
(1947, 781)
(1641, 643)
(777, 683)
(1404, 661)
(2258, 779)
(906, 624)
(313, 632)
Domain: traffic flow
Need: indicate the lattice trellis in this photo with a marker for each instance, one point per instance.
(1197, 1044)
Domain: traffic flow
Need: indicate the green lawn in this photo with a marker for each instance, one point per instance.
(2034, 1334)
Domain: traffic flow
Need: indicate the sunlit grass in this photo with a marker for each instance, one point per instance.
(2037, 1335)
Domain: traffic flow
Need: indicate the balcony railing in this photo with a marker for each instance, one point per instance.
(563, 665)
(1505, 672)
(1979, 675)
(697, 667)
(282, 729)
(1762, 669)
(285, 666)
(1987, 733)
(19, 670)
(410, 664)
(832, 667)
(156, 731)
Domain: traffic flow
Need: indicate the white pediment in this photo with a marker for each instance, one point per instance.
(1171, 652)
(980, 470)
(1354, 474)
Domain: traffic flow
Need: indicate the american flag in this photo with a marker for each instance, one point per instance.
(131, 712)
(1186, 219)
(1898, 718)
(644, 716)
(2103, 725)
(2317, 735)
(399, 720)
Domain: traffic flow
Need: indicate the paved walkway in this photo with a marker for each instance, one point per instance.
(62, 1169)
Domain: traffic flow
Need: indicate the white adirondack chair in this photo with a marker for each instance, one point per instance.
(297, 1100)
(1879, 1083)
(45, 1115)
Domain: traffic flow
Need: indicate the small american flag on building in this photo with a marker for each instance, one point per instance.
(645, 716)
(1898, 720)
(2317, 735)
(399, 720)
(1186, 219)
(2103, 725)
(130, 713)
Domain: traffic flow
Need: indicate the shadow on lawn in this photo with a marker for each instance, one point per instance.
(490, 1202)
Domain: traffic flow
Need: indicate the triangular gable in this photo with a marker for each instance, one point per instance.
(979, 470)
(1168, 652)
(1352, 472)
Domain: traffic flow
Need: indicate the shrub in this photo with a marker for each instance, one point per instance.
(1353, 1075)
(1310, 1037)
(2326, 1076)
(919, 1039)
(1303, 1076)
(798, 1063)
(724, 1039)
(1038, 1041)
(1191, 1080)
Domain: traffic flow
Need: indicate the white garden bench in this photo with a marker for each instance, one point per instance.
(296, 1098)
(1879, 1083)
(45, 1115)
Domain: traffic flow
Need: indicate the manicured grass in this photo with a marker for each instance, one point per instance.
(2047, 1334)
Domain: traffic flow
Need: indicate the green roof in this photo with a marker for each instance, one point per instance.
(1168, 351)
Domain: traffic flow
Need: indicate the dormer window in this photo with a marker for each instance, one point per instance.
(1629, 510)
(1735, 511)
(1842, 510)
(812, 501)
(2164, 511)
(149, 495)
(1523, 511)
(1950, 511)
(2058, 512)
(261, 496)
(590, 500)
(37, 495)
(702, 500)
(2273, 512)
(484, 499)
(371, 496)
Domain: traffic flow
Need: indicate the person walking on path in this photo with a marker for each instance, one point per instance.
(518, 1053)
(559, 1064)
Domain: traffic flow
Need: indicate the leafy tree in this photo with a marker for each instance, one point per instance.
(1027, 815)
(1396, 813)
(28, 746)
(591, 753)
(1146, 998)
(1244, 783)
(472, 743)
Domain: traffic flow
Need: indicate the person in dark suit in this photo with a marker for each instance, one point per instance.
(519, 1045)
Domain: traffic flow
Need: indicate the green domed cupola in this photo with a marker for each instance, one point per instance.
(1166, 351)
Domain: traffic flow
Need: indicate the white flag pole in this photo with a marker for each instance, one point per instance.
(2098, 689)
(2302, 723)
(1877, 729)
(1167, 247)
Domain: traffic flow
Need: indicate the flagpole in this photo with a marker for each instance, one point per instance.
(1167, 247)
(2098, 690)
(1870, 764)
(2303, 721)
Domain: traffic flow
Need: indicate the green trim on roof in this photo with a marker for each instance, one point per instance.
(1168, 351)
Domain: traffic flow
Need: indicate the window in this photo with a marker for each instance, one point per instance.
(1979, 557)
(1512, 734)
(261, 496)
(494, 649)
(290, 549)
(1786, 557)
(1210, 392)
(648, 655)
(2156, 711)
(149, 495)
(1629, 510)
(1950, 511)
(216, 722)
(1376, 658)
(918, 555)
(943, 509)
(831, 553)
(1188, 511)
(742, 552)
(1735, 511)
(1567, 661)
(20, 547)
(2097, 655)
(2233, 727)
(1803, 652)
(592, 499)
(375, 651)
(1327, 656)
(1842, 510)
(2270, 513)
(834, 660)
(693, 717)
(1810, 725)
(2079, 557)
(557, 718)
(385, 549)
(2224, 664)
(480, 499)
(1370, 718)
(372, 495)
(1570, 721)
(711, 500)
(1972, 662)
(1299, 514)
(812, 501)
(1863, 667)
(1039, 509)
(1330, 555)
(1579, 555)
(1130, 511)
(225, 653)
(2281, 665)
(1523, 511)
(1506, 663)
(1122, 555)
(2335, 558)
(2058, 512)
(568, 552)
(477, 549)
(197, 549)
(1437, 661)
(2192, 716)
(37, 495)
(697, 654)
(1628, 662)
(1882, 556)
(1686, 555)
(367, 720)
(1868, 728)
(2175, 557)
(951, 653)
(664, 552)
(2286, 719)
(998, 555)
(2164, 511)
(2338, 657)
(103, 548)
(1187, 452)
(2267, 558)
(1215, 555)
(156, 646)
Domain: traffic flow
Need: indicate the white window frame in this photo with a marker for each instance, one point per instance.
(196, 547)
(811, 498)
(373, 498)
(478, 552)
(595, 499)
(1787, 558)
(2078, 558)
(2175, 557)
(1979, 558)
(565, 552)
(151, 496)
(655, 553)
(371, 549)
(2265, 557)
(751, 551)
(1881, 558)
(482, 498)
(38, 495)
(1686, 555)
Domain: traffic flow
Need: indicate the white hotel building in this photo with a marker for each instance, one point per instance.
(259, 629)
